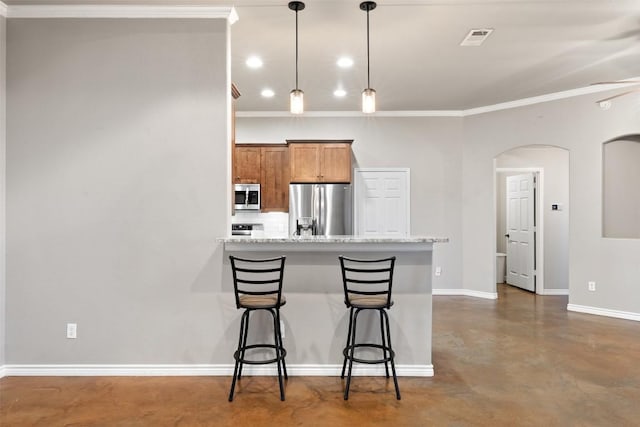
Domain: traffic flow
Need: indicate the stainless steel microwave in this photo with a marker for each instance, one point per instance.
(247, 197)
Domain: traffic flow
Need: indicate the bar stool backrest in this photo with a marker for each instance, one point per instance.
(257, 277)
(370, 277)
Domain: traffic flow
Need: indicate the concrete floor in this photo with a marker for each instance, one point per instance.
(521, 360)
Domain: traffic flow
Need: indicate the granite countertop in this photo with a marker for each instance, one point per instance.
(334, 239)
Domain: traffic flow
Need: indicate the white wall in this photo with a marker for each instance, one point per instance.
(555, 164)
(3, 97)
(117, 154)
(430, 147)
(579, 126)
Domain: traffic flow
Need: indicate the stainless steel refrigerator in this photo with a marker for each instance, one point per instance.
(320, 209)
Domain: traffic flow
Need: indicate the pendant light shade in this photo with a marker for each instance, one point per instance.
(368, 95)
(296, 101)
(368, 100)
(296, 98)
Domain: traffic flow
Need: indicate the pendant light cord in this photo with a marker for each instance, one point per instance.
(368, 71)
(296, 49)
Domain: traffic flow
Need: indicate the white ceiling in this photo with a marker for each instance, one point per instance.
(537, 48)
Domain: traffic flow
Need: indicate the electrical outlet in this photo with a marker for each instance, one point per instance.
(282, 329)
(438, 271)
(592, 286)
(72, 330)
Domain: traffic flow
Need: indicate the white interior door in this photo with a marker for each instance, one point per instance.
(521, 231)
(381, 202)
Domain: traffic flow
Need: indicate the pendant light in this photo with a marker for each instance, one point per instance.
(296, 97)
(368, 95)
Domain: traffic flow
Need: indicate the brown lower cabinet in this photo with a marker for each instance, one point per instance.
(267, 165)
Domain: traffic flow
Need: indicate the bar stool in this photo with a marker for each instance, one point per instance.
(367, 286)
(257, 285)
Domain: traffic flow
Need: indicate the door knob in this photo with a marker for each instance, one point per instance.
(506, 235)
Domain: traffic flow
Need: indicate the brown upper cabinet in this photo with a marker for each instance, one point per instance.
(267, 165)
(246, 165)
(320, 161)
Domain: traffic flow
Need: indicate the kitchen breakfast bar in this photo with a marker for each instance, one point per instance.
(315, 319)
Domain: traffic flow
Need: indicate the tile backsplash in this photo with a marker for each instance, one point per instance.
(275, 224)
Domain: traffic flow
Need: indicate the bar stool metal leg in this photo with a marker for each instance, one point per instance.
(278, 349)
(244, 333)
(393, 363)
(344, 363)
(384, 343)
(351, 353)
(243, 320)
(281, 345)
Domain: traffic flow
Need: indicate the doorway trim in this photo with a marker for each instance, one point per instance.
(539, 214)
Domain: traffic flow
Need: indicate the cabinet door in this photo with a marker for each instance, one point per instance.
(275, 179)
(305, 164)
(335, 163)
(246, 168)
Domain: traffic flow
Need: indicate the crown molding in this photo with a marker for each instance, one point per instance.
(3, 9)
(121, 11)
(587, 90)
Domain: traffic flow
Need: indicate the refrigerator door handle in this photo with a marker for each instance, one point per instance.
(315, 209)
(322, 211)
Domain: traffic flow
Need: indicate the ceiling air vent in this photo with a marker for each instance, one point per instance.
(476, 37)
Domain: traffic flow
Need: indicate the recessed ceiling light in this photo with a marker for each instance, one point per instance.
(339, 93)
(267, 93)
(254, 62)
(345, 62)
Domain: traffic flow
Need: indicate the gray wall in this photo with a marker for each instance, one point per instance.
(578, 125)
(621, 188)
(117, 157)
(3, 97)
(431, 147)
(117, 145)
(555, 163)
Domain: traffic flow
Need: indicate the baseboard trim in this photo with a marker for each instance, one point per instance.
(627, 315)
(555, 292)
(208, 370)
(2, 372)
(466, 293)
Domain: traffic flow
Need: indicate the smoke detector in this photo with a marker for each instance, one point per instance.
(476, 37)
